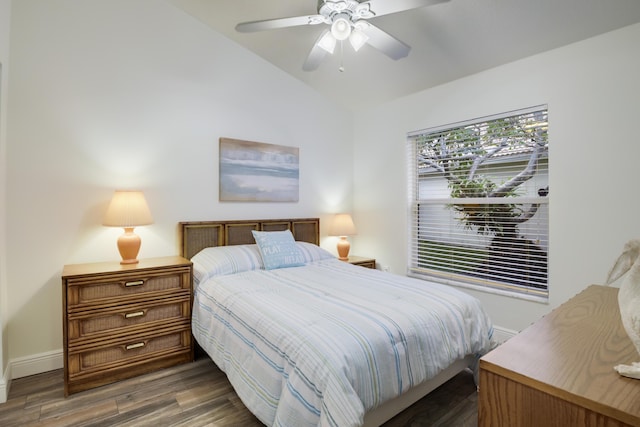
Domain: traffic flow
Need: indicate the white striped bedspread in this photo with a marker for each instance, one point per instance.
(323, 343)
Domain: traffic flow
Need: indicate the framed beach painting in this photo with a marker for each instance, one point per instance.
(258, 172)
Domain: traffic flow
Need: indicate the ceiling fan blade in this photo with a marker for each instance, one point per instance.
(386, 43)
(386, 7)
(272, 24)
(316, 55)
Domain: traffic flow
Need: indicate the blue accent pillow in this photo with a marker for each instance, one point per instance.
(278, 249)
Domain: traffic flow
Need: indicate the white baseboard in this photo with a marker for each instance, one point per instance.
(35, 364)
(501, 335)
(29, 365)
(4, 386)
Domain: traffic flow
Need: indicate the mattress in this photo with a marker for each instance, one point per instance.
(323, 343)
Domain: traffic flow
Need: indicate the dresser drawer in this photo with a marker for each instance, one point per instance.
(127, 352)
(123, 319)
(120, 288)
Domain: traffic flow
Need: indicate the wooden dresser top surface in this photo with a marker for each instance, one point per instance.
(570, 353)
(115, 266)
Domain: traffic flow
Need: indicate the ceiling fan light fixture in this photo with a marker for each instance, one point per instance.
(345, 19)
(327, 42)
(358, 39)
(341, 27)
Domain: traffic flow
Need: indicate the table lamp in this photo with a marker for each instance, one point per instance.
(128, 209)
(342, 226)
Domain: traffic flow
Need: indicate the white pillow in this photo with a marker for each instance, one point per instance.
(312, 252)
(278, 249)
(222, 260)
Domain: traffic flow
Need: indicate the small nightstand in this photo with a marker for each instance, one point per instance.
(362, 261)
(121, 321)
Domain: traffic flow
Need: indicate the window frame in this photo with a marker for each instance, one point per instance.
(537, 290)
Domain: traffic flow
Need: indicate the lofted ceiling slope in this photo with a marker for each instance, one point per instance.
(449, 40)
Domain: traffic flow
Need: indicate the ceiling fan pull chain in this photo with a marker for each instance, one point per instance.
(341, 68)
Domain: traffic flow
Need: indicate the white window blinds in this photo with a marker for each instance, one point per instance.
(479, 205)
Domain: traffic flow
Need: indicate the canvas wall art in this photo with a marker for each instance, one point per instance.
(258, 172)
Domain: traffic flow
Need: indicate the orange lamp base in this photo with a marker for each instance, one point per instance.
(129, 246)
(343, 248)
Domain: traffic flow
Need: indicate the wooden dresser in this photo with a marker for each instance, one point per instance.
(121, 321)
(559, 371)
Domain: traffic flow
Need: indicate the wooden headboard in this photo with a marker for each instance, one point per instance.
(197, 235)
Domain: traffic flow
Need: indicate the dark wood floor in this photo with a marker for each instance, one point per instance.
(195, 394)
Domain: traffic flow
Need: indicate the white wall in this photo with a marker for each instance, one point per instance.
(5, 13)
(592, 90)
(135, 94)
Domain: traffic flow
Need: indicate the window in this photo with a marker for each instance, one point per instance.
(479, 205)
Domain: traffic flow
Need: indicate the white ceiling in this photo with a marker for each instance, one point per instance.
(449, 40)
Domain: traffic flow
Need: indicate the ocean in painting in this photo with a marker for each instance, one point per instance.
(258, 172)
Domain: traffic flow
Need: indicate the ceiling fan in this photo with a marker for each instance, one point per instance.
(347, 19)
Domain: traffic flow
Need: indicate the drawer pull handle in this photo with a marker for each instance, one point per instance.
(134, 346)
(134, 314)
(135, 283)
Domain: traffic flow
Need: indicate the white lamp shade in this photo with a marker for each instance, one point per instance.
(358, 39)
(327, 42)
(341, 27)
(342, 225)
(127, 209)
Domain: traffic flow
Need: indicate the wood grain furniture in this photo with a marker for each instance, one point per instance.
(362, 261)
(121, 321)
(195, 236)
(559, 371)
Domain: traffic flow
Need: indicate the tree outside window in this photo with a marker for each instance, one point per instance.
(480, 202)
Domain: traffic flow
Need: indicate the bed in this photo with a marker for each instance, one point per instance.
(321, 341)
